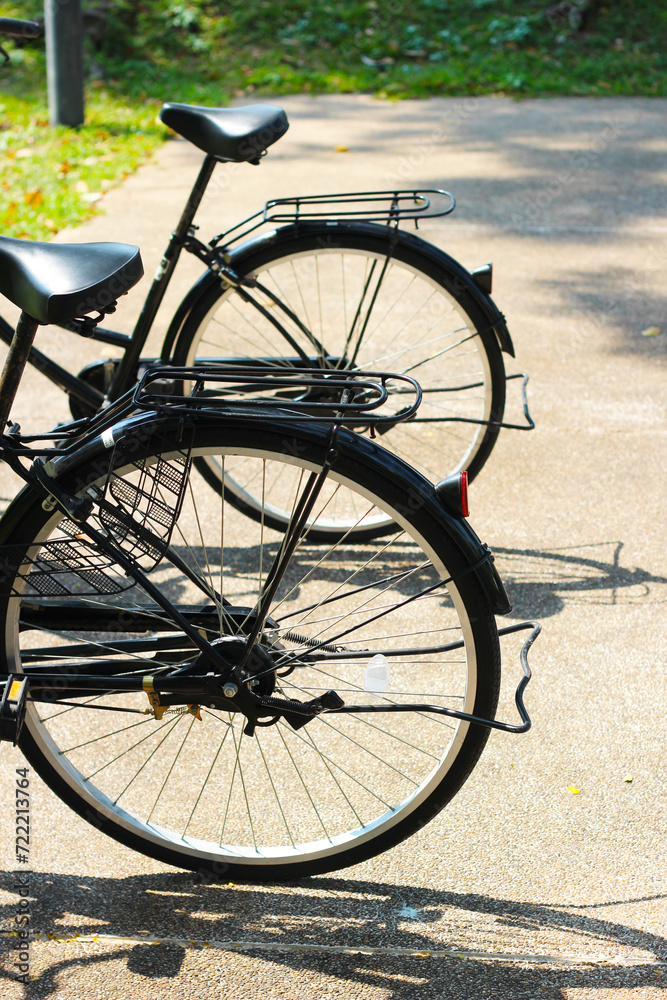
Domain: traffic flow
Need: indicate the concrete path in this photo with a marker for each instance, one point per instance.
(521, 888)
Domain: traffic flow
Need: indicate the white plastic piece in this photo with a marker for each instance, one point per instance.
(376, 677)
(107, 437)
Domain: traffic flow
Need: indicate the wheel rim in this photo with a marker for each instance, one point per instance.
(374, 777)
(411, 308)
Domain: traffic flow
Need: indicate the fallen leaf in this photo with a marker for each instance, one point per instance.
(575, 791)
(33, 198)
(651, 331)
(341, 149)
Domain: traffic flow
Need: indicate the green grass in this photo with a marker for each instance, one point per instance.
(208, 51)
(53, 177)
(398, 48)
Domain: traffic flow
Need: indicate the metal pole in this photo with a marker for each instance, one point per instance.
(64, 61)
(15, 363)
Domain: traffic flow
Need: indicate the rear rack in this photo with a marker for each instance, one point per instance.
(372, 206)
(304, 394)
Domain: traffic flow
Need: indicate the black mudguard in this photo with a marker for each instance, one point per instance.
(439, 264)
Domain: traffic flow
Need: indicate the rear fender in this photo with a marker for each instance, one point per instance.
(454, 276)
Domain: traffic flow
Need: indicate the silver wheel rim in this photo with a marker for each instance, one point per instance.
(101, 794)
(437, 321)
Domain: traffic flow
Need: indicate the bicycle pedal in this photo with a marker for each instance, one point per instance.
(12, 708)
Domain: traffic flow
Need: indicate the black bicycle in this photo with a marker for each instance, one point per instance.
(333, 283)
(296, 706)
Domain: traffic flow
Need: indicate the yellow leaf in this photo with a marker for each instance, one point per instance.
(575, 791)
(33, 198)
(341, 149)
(651, 331)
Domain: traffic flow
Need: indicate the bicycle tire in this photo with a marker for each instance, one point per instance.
(431, 325)
(198, 794)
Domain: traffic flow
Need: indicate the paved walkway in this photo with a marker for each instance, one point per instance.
(520, 888)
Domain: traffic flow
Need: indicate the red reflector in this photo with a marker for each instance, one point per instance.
(465, 509)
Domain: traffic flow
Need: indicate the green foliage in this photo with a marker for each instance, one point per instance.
(597, 45)
(54, 177)
(406, 48)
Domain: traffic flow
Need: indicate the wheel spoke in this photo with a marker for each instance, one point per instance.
(198, 784)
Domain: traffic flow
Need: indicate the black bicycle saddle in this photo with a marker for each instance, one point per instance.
(232, 134)
(55, 282)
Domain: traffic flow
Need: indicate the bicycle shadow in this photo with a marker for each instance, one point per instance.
(361, 564)
(477, 943)
(541, 582)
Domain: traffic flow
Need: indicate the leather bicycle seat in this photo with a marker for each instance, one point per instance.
(55, 282)
(231, 134)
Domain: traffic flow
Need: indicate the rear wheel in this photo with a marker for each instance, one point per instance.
(349, 297)
(367, 620)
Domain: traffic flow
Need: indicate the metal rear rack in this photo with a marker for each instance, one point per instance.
(296, 394)
(371, 206)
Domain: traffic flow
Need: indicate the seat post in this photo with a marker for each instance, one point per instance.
(124, 375)
(196, 195)
(17, 358)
